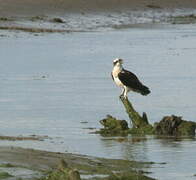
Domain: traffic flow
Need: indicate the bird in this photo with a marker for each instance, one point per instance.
(127, 80)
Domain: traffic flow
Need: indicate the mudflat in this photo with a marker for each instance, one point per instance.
(42, 162)
(59, 7)
(54, 16)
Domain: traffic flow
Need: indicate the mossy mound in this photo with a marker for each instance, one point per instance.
(63, 172)
(145, 130)
(66, 174)
(116, 127)
(113, 126)
(175, 126)
(169, 125)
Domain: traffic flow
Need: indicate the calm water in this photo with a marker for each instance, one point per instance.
(49, 84)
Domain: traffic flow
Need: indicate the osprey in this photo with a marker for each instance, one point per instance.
(127, 80)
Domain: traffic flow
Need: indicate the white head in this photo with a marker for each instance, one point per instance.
(117, 62)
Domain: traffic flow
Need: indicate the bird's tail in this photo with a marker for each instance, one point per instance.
(145, 90)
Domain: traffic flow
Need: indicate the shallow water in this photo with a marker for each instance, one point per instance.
(51, 83)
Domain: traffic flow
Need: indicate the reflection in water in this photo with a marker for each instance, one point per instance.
(130, 148)
(175, 155)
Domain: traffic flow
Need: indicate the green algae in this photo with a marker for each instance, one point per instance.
(168, 126)
(4, 175)
(145, 130)
(129, 176)
(185, 19)
(187, 128)
(140, 123)
(113, 126)
(7, 165)
(63, 172)
(175, 126)
(100, 168)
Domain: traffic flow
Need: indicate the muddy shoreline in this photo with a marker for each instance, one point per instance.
(60, 7)
(70, 16)
(42, 162)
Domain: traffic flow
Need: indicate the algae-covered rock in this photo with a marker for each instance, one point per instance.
(112, 123)
(4, 175)
(168, 126)
(63, 172)
(175, 126)
(145, 130)
(187, 128)
(73, 174)
(113, 126)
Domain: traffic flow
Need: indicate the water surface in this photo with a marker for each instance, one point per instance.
(51, 83)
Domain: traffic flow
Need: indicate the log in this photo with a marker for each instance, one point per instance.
(140, 124)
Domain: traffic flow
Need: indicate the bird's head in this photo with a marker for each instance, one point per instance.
(117, 61)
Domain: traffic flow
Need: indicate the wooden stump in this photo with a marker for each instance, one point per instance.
(168, 126)
(137, 120)
(140, 123)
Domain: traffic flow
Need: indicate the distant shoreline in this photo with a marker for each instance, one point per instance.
(57, 16)
(61, 7)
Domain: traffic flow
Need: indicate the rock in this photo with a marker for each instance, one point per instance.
(112, 123)
(175, 126)
(62, 165)
(113, 126)
(187, 128)
(58, 20)
(73, 175)
(63, 172)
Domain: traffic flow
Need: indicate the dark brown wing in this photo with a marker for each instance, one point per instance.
(130, 80)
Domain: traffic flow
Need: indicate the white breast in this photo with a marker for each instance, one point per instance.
(116, 70)
(118, 82)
